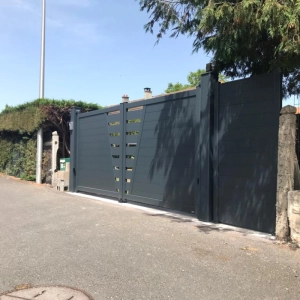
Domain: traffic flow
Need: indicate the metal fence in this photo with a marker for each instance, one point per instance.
(211, 151)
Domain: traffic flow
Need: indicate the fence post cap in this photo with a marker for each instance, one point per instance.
(288, 109)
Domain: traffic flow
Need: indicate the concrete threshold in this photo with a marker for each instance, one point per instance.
(184, 217)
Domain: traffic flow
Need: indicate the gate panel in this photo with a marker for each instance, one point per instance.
(247, 135)
(160, 152)
(98, 161)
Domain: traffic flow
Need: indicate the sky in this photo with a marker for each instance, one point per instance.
(96, 51)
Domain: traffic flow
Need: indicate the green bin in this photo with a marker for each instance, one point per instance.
(62, 163)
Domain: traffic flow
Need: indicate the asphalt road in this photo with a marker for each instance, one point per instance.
(114, 251)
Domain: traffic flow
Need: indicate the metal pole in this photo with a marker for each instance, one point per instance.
(39, 154)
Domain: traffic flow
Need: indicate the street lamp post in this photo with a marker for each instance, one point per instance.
(39, 154)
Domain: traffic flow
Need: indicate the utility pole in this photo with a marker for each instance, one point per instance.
(39, 154)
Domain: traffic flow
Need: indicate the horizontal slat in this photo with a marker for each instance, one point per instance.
(113, 118)
(181, 152)
(99, 192)
(100, 135)
(94, 167)
(227, 184)
(174, 115)
(180, 164)
(186, 186)
(129, 163)
(93, 152)
(159, 177)
(175, 142)
(115, 150)
(83, 153)
(246, 85)
(186, 133)
(163, 99)
(115, 140)
(99, 112)
(170, 124)
(113, 129)
(131, 150)
(129, 175)
(132, 138)
(258, 158)
(127, 186)
(251, 96)
(117, 184)
(175, 104)
(252, 133)
(133, 127)
(117, 173)
(244, 144)
(95, 182)
(133, 115)
(96, 118)
(116, 162)
(258, 120)
(263, 106)
(93, 127)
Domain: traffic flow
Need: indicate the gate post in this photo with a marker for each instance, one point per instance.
(123, 152)
(73, 142)
(204, 198)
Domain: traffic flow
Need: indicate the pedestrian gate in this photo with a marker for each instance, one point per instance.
(211, 151)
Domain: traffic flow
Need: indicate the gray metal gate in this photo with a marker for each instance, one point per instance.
(246, 129)
(160, 151)
(211, 151)
(98, 161)
(142, 151)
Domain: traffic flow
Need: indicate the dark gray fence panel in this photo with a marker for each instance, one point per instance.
(161, 160)
(247, 135)
(99, 153)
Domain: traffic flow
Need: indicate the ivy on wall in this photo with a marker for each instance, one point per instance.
(18, 129)
(18, 155)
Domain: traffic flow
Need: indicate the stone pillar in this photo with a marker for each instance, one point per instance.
(294, 215)
(55, 146)
(286, 169)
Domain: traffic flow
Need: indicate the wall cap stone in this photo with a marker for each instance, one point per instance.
(288, 109)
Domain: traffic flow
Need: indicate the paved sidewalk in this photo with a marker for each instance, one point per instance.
(114, 251)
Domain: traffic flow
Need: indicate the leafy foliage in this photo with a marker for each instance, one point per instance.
(172, 88)
(18, 127)
(17, 155)
(52, 115)
(194, 79)
(246, 37)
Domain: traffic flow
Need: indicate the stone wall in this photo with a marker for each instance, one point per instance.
(294, 215)
(288, 179)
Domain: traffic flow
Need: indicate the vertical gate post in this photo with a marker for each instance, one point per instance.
(73, 142)
(204, 199)
(123, 151)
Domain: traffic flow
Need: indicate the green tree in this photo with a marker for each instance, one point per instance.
(245, 37)
(193, 79)
(172, 88)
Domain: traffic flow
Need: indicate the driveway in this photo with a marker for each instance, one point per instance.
(115, 251)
